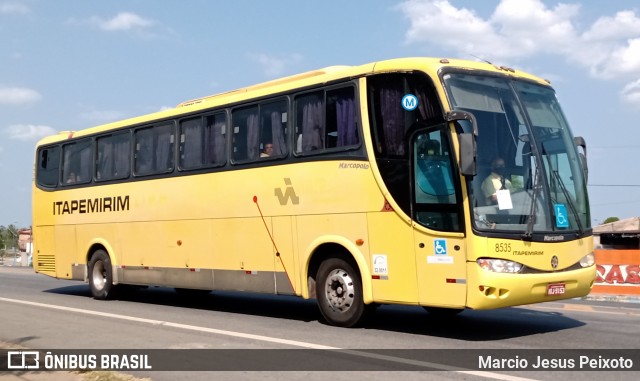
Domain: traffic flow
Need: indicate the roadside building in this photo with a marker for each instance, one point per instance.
(25, 248)
(617, 250)
(24, 240)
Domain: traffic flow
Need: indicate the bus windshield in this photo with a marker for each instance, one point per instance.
(529, 174)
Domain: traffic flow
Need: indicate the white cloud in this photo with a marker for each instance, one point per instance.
(13, 8)
(123, 21)
(520, 23)
(609, 48)
(620, 60)
(275, 66)
(512, 31)
(623, 25)
(18, 95)
(438, 22)
(28, 132)
(631, 93)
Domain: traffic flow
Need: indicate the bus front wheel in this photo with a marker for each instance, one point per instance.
(101, 275)
(339, 293)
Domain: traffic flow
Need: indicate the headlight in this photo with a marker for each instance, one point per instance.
(588, 260)
(499, 265)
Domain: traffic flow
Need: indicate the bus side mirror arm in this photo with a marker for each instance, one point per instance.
(581, 143)
(467, 141)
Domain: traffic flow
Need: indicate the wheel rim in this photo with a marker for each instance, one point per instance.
(99, 275)
(340, 290)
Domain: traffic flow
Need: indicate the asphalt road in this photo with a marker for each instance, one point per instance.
(44, 313)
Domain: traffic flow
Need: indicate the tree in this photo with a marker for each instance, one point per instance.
(8, 236)
(611, 219)
(2, 243)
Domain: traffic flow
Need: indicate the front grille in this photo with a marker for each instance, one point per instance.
(529, 270)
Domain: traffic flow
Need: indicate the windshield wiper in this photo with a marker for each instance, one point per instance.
(534, 202)
(569, 201)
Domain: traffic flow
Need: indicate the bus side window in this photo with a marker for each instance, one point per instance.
(215, 137)
(341, 128)
(122, 155)
(76, 162)
(246, 134)
(143, 160)
(273, 129)
(310, 122)
(48, 166)
(154, 150)
(164, 148)
(191, 143)
(326, 120)
(113, 160)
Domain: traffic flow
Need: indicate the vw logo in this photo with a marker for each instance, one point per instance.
(554, 262)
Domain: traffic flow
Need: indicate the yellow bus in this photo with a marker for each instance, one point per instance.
(441, 183)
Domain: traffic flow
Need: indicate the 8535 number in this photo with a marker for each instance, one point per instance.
(503, 247)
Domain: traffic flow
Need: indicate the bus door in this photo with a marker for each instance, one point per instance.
(437, 220)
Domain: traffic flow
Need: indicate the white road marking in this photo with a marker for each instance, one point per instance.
(301, 344)
(170, 324)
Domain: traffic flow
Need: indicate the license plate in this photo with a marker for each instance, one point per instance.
(555, 289)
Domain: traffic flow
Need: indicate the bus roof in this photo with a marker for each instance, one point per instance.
(307, 79)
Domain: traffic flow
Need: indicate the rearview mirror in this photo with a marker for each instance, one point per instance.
(468, 155)
(581, 143)
(467, 140)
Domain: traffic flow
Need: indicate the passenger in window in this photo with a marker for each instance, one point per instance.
(71, 178)
(267, 151)
(495, 181)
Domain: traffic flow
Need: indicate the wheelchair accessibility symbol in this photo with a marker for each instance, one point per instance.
(440, 246)
(561, 216)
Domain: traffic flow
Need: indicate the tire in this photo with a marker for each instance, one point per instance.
(339, 293)
(101, 276)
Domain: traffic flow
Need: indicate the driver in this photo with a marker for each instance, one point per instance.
(495, 181)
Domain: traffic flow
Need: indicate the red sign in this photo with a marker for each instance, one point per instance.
(618, 274)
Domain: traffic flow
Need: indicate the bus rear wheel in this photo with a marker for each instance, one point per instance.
(101, 276)
(339, 293)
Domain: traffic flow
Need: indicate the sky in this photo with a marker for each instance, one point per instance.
(74, 64)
